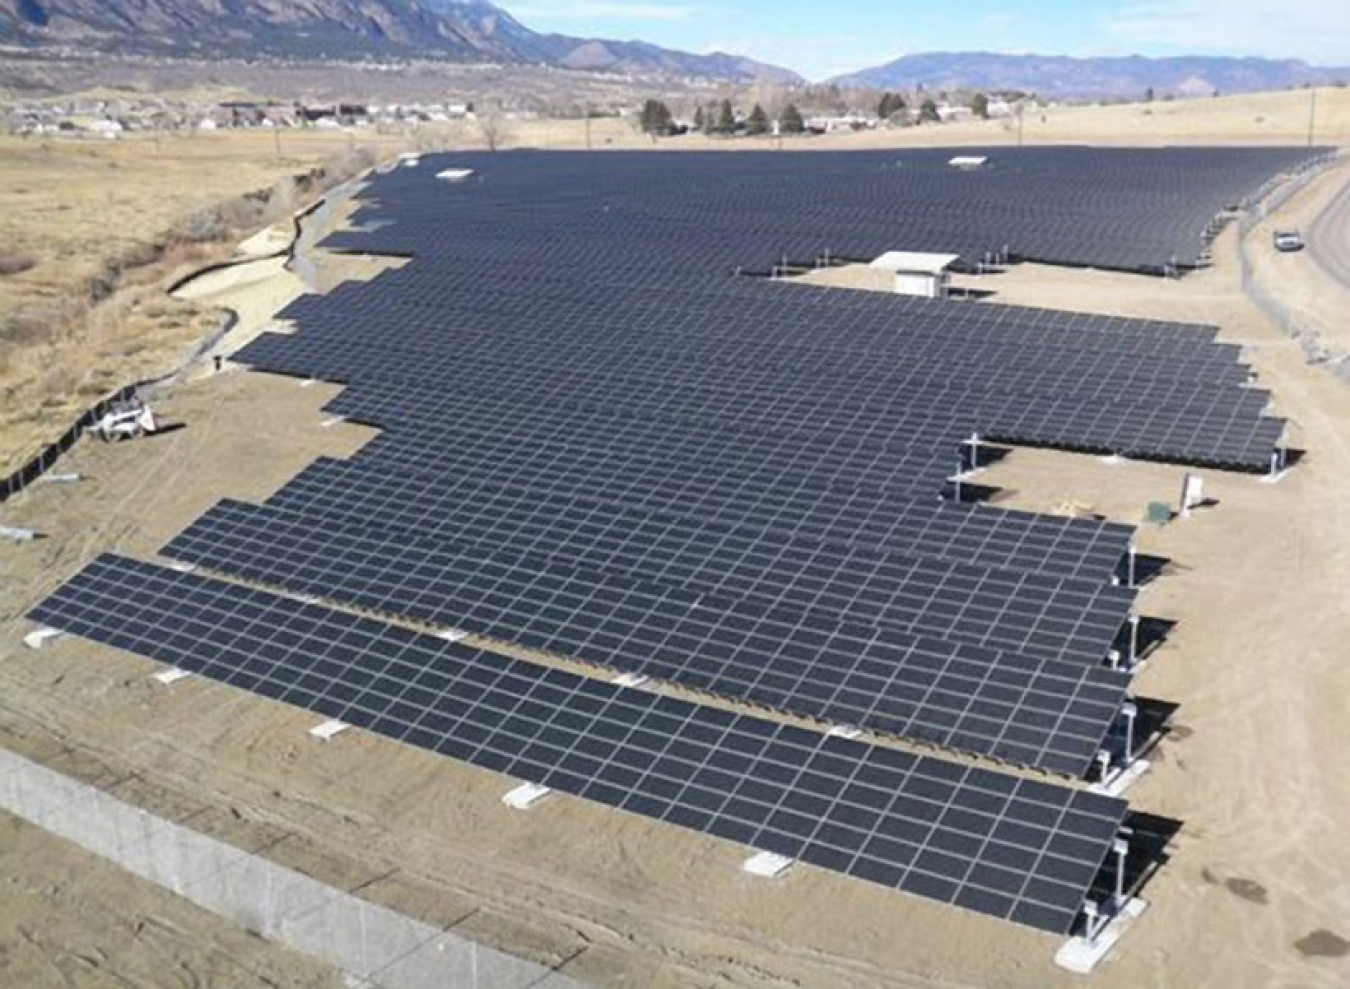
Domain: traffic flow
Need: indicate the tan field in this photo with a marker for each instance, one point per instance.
(92, 232)
(1251, 897)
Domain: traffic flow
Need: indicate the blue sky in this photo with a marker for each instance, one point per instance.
(822, 39)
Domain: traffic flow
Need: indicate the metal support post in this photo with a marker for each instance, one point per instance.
(1121, 847)
(1129, 711)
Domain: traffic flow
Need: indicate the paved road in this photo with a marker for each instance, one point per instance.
(1329, 237)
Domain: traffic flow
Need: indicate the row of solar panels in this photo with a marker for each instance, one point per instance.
(1220, 425)
(1010, 848)
(1134, 209)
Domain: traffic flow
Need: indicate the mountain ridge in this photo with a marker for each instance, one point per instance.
(1101, 76)
(456, 30)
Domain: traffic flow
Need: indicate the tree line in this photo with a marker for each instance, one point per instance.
(656, 118)
(720, 118)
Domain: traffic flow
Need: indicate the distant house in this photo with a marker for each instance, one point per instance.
(110, 129)
(836, 124)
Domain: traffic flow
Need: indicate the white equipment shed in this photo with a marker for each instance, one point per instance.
(925, 275)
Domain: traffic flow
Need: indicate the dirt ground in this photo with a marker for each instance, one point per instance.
(69, 918)
(1250, 898)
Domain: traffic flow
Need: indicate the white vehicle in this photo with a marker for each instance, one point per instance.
(1288, 240)
(125, 421)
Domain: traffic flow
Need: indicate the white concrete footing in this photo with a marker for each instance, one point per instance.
(767, 865)
(332, 421)
(1277, 477)
(172, 675)
(328, 729)
(181, 566)
(452, 634)
(525, 796)
(1114, 460)
(1081, 955)
(844, 731)
(1121, 780)
(630, 680)
(39, 637)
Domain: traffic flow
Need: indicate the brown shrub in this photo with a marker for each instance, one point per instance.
(13, 264)
(30, 325)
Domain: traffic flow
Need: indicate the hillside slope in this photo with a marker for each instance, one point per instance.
(1062, 76)
(461, 30)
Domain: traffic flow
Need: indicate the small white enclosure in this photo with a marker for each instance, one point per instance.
(924, 275)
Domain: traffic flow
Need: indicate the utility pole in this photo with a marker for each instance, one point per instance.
(588, 126)
(1312, 116)
(1021, 113)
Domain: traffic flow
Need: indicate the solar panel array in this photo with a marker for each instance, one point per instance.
(603, 442)
(1011, 848)
(1110, 208)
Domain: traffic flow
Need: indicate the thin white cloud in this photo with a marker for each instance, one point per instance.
(1315, 30)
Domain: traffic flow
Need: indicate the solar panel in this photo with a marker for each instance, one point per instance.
(1011, 848)
(1023, 706)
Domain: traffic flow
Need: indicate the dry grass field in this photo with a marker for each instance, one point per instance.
(1260, 118)
(93, 231)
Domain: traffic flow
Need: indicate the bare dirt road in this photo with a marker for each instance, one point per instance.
(1328, 238)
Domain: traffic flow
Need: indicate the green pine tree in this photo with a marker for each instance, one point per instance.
(758, 121)
(791, 122)
(726, 118)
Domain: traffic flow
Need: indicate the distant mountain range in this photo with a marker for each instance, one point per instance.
(461, 30)
(479, 31)
(1062, 77)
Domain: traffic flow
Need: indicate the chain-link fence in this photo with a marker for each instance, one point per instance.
(1258, 208)
(373, 945)
(51, 453)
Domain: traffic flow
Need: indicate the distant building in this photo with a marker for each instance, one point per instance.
(110, 129)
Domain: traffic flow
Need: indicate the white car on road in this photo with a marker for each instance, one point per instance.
(1288, 240)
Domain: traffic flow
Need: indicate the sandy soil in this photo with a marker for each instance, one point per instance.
(1251, 897)
(69, 918)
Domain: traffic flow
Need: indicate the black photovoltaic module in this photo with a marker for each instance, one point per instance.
(1028, 707)
(1016, 849)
